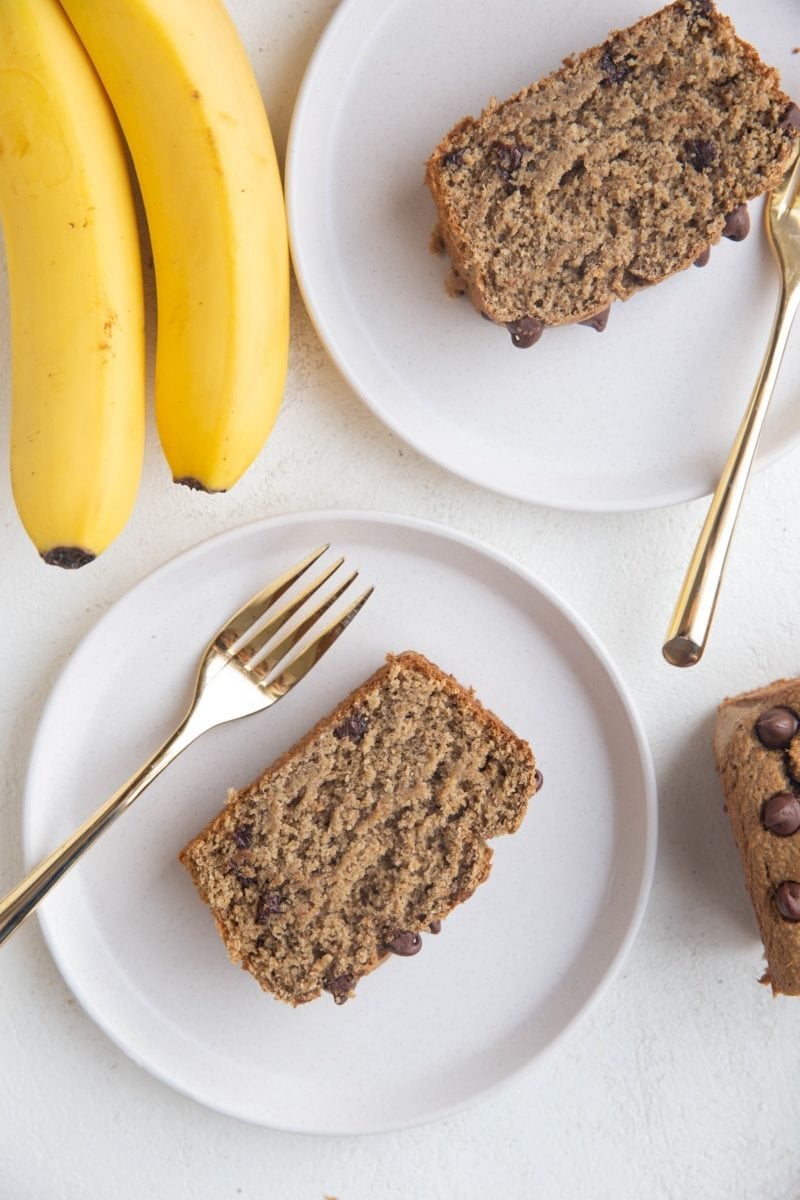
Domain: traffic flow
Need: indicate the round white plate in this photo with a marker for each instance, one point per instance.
(510, 971)
(639, 416)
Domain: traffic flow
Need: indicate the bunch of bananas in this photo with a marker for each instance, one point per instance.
(188, 107)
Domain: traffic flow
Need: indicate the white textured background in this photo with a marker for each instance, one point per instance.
(685, 1079)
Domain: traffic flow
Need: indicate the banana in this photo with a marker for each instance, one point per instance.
(75, 288)
(189, 106)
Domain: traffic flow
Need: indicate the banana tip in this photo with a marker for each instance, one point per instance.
(192, 482)
(68, 557)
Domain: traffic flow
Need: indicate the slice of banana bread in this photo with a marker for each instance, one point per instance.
(364, 834)
(757, 751)
(611, 174)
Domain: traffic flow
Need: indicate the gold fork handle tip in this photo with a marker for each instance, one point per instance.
(682, 652)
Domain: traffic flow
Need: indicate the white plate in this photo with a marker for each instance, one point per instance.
(511, 970)
(640, 416)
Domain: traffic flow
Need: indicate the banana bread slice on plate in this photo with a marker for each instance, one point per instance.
(365, 834)
(611, 174)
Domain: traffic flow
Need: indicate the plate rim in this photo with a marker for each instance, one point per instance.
(303, 101)
(640, 743)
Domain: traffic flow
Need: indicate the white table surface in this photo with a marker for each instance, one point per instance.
(684, 1080)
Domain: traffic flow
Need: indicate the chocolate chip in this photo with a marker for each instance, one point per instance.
(737, 224)
(598, 321)
(405, 943)
(700, 153)
(243, 836)
(791, 118)
(615, 72)
(787, 899)
(776, 727)
(526, 331)
(435, 926)
(353, 727)
(702, 8)
(781, 814)
(269, 905)
(454, 158)
(507, 156)
(240, 866)
(538, 780)
(702, 259)
(340, 987)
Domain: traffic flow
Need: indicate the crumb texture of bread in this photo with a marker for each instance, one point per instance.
(761, 787)
(369, 830)
(612, 173)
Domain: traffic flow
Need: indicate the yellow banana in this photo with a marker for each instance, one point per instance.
(77, 322)
(186, 97)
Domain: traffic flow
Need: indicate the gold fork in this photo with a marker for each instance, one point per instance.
(233, 680)
(688, 630)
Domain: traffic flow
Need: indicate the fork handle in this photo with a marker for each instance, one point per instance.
(23, 899)
(688, 630)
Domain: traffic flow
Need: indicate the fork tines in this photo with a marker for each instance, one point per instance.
(247, 639)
